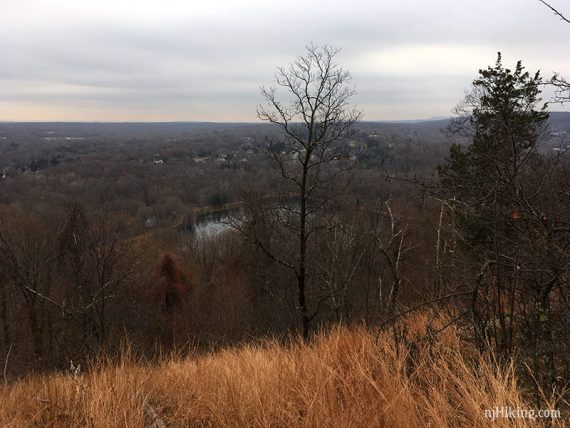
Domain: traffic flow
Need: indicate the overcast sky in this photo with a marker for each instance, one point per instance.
(189, 60)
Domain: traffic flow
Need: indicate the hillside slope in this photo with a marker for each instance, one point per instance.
(342, 379)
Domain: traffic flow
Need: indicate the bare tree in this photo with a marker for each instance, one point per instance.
(341, 253)
(556, 11)
(314, 121)
(561, 85)
(26, 258)
(94, 257)
(561, 89)
(394, 246)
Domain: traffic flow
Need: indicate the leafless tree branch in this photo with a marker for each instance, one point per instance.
(556, 12)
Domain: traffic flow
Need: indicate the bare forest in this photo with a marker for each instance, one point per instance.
(312, 240)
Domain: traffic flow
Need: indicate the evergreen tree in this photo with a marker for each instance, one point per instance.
(503, 121)
(486, 182)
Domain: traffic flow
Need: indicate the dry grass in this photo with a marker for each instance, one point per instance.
(341, 379)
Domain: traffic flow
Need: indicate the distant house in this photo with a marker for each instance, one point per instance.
(157, 160)
(222, 157)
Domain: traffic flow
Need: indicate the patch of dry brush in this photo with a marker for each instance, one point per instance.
(343, 378)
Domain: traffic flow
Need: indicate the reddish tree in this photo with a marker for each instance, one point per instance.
(172, 284)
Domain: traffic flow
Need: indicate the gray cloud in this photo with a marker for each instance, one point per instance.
(190, 60)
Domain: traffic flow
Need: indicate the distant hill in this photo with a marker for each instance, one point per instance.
(559, 121)
(344, 378)
(429, 130)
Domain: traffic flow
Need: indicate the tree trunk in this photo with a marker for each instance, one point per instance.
(35, 330)
(546, 340)
(4, 316)
(302, 275)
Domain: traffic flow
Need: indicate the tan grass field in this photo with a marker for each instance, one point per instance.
(343, 378)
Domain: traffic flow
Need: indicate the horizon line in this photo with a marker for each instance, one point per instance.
(228, 122)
